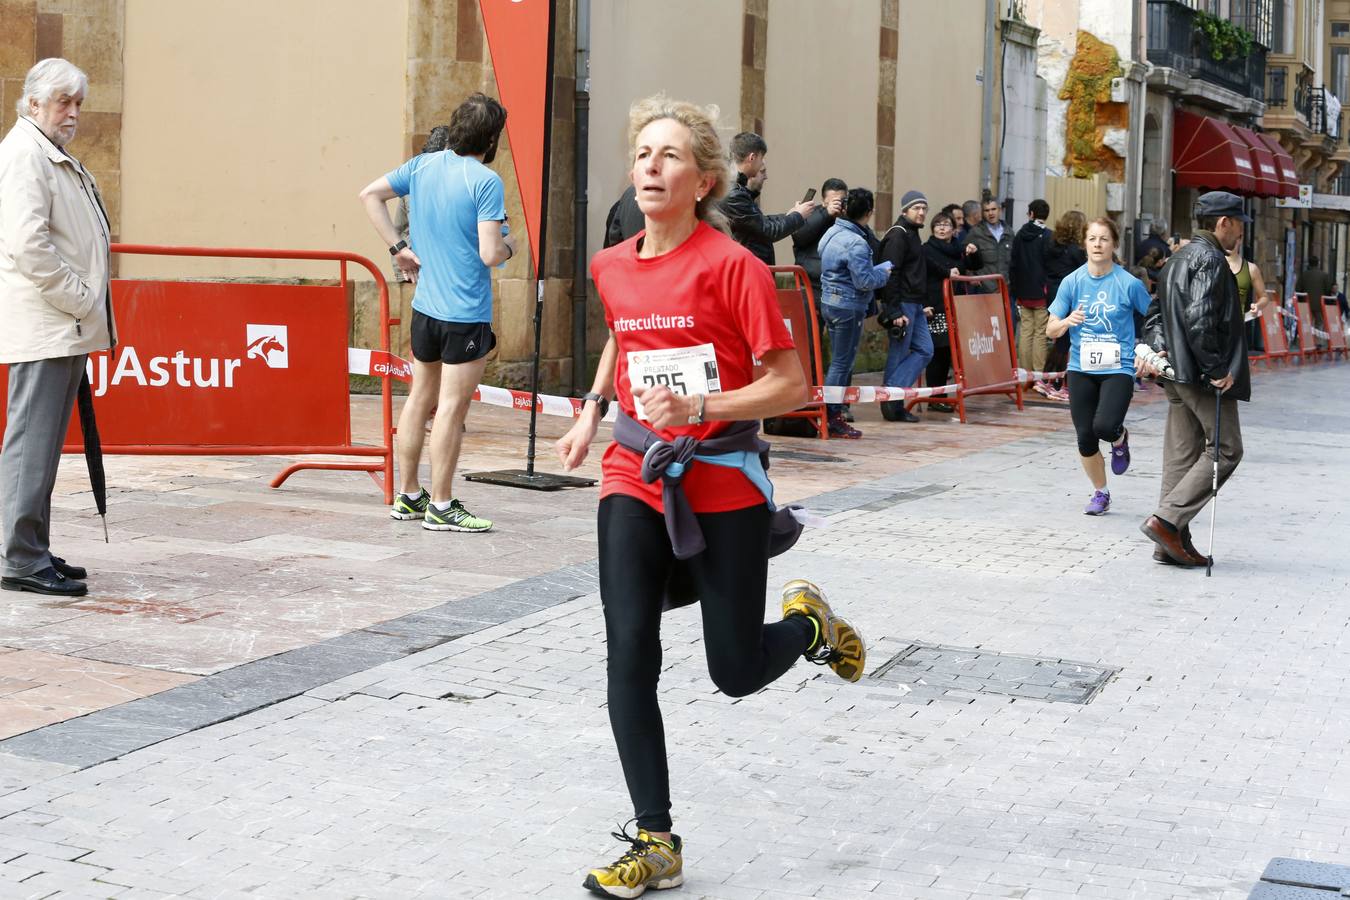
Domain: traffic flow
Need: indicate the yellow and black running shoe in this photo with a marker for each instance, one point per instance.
(456, 518)
(648, 863)
(838, 644)
(407, 506)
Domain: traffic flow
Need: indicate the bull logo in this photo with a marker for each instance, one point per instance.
(268, 343)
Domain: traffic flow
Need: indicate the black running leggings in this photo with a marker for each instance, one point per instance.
(744, 654)
(1097, 405)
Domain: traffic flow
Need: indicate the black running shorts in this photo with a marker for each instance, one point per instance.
(450, 342)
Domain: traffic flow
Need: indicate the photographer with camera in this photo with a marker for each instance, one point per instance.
(902, 303)
(750, 227)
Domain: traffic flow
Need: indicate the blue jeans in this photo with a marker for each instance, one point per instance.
(906, 359)
(845, 327)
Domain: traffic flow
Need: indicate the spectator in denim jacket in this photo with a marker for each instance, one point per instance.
(847, 280)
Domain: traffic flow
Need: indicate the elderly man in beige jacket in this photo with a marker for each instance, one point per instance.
(56, 307)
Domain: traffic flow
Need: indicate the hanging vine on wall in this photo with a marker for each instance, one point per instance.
(1087, 88)
(1226, 40)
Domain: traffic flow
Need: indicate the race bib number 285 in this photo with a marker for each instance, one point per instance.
(685, 370)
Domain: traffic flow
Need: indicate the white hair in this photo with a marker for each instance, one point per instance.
(48, 80)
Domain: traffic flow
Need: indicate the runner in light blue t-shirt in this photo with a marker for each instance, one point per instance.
(452, 194)
(1109, 303)
(457, 213)
(1096, 304)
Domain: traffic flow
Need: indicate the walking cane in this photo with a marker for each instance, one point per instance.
(1214, 496)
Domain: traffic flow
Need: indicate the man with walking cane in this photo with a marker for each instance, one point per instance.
(1196, 322)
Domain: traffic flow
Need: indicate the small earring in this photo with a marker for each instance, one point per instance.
(698, 198)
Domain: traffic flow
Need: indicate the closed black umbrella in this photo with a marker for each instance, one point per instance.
(93, 451)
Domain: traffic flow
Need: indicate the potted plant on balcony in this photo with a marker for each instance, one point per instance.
(1225, 41)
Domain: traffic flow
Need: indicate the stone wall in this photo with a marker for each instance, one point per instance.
(754, 61)
(887, 57)
(89, 33)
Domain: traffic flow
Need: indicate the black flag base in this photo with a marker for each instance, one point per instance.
(535, 481)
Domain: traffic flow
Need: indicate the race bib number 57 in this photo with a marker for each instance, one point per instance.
(1099, 356)
(685, 370)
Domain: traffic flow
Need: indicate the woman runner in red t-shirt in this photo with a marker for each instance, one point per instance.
(689, 310)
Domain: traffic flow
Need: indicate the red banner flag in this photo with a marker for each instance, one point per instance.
(518, 35)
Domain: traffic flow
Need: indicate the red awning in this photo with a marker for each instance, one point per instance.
(1284, 163)
(1268, 183)
(1208, 153)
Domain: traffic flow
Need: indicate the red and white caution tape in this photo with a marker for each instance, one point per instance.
(377, 363)
(1026, 376)
(549, 405)
(862, 394)
(381, 364)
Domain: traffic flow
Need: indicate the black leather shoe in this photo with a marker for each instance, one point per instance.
(894, 411)
(46, 581)
(79, 573)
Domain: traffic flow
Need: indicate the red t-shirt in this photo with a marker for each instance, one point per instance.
(708, 290)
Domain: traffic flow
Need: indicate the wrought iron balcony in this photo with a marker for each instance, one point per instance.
(1175, 42)
(1320, 118)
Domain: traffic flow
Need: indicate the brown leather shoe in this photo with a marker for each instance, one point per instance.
(1160, 556)
(1203, 560)
(1170, 543)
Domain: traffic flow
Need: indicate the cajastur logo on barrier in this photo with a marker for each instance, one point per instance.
(979, 344)
(268, 343)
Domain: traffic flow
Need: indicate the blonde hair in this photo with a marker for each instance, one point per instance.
(706, 145)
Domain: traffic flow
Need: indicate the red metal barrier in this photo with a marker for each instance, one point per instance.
(1307, 347)
(1324, 349)
(798, 306)
(1274, 341)
(1336, 344)
(203, 368)
(979, 327)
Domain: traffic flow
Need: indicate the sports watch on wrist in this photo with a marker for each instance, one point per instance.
(600, 401)
(394, 250)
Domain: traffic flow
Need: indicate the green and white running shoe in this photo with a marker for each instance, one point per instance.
(409, 507)
(456, 518)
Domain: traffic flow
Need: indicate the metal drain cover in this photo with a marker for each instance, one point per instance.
(1302, 879)
(985, 672)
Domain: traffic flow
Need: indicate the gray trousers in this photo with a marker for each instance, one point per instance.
(41, 396)
(1188, 470)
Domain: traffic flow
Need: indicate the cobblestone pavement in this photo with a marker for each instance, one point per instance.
(210, 569)
(965, 765)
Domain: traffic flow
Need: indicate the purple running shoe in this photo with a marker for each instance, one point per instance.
(1120, 455)
(1100, 503)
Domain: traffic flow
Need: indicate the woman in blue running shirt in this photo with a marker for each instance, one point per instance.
(1096, 304)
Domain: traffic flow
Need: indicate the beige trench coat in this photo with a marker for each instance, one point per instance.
(54, 252)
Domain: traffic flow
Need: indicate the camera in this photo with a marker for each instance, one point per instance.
(888, 319)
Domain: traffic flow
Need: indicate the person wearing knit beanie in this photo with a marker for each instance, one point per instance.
(910, 198)
(902, 298)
